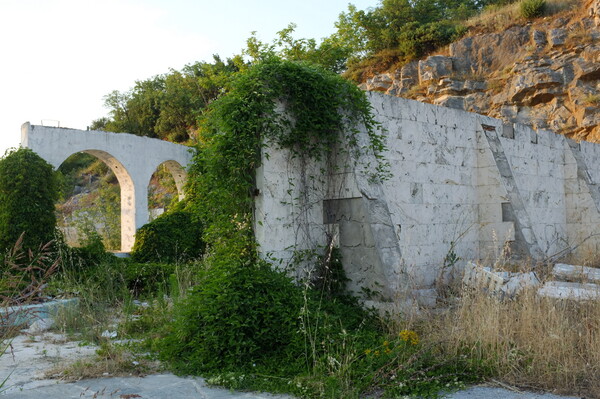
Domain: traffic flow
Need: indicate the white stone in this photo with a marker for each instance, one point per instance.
(566, 290)
(576, 273)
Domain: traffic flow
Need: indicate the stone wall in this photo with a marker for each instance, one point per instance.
(461, 183)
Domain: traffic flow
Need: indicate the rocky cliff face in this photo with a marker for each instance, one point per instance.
(545, 74)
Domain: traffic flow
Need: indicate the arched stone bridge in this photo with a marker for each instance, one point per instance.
(133, 159)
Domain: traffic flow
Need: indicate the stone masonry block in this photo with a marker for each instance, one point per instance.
(503, 231)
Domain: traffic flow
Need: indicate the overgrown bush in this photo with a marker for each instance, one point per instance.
(246, 325)
(239, 317)
(531, 9)
(28, 189)
(147, 278)
(172, 237)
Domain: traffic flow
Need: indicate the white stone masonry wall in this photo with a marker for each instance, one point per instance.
(460, 182)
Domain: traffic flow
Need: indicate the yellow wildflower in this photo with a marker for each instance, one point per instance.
(409, 336)
(368, 352)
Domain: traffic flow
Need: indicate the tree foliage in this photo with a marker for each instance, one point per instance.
(401, 30)
(167, 106)
(323, 107)
(243, 311)
(28, 189)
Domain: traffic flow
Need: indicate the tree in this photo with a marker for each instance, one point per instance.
(167, 106)
(28, 190)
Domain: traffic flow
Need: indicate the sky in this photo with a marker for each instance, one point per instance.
(59, 58)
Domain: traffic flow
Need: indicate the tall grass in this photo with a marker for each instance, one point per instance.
(23, 277)
(529, 341)
(498, 18)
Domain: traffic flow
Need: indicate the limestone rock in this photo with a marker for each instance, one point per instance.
(404, 79)
(557, 37)
(594, 11)
(539, 38)
(434, 68)
(489, 51)
(545, 74)
(533, 82)
(380, 82)
(457, 102)
(588, 117)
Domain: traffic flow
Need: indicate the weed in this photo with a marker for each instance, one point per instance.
(496, 85)
(22, 281)
(110, 360)
(544, 343)
(592, 99)
(531, 9)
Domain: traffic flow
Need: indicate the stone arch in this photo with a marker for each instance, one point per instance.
(179, 175)
(127, 187)
(132, 158)
(176, 172)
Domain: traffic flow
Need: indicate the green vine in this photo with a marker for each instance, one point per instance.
(246, 325)
(296, 106)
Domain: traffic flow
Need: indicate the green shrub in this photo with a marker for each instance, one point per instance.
(28, 189)
(531, 9)
(240, 317)
(146, 278)
(171, 237)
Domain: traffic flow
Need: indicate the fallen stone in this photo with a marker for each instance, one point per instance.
(566, 290)
(576, 273)
(482, 278)
(518, 282)
(27, 314)
(40, 326)
(500, 283)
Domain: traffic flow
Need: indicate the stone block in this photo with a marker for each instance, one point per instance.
(490, 213)
(504, 231)
(576, 273)
(574, 291)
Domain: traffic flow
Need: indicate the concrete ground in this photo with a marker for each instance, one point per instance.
(31, 356)
(169, 386)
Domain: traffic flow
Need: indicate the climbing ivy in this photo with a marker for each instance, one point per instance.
(293, 105)
(246, 325)
(244, 314)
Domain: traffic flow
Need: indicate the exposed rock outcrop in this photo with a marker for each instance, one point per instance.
(545, 74)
